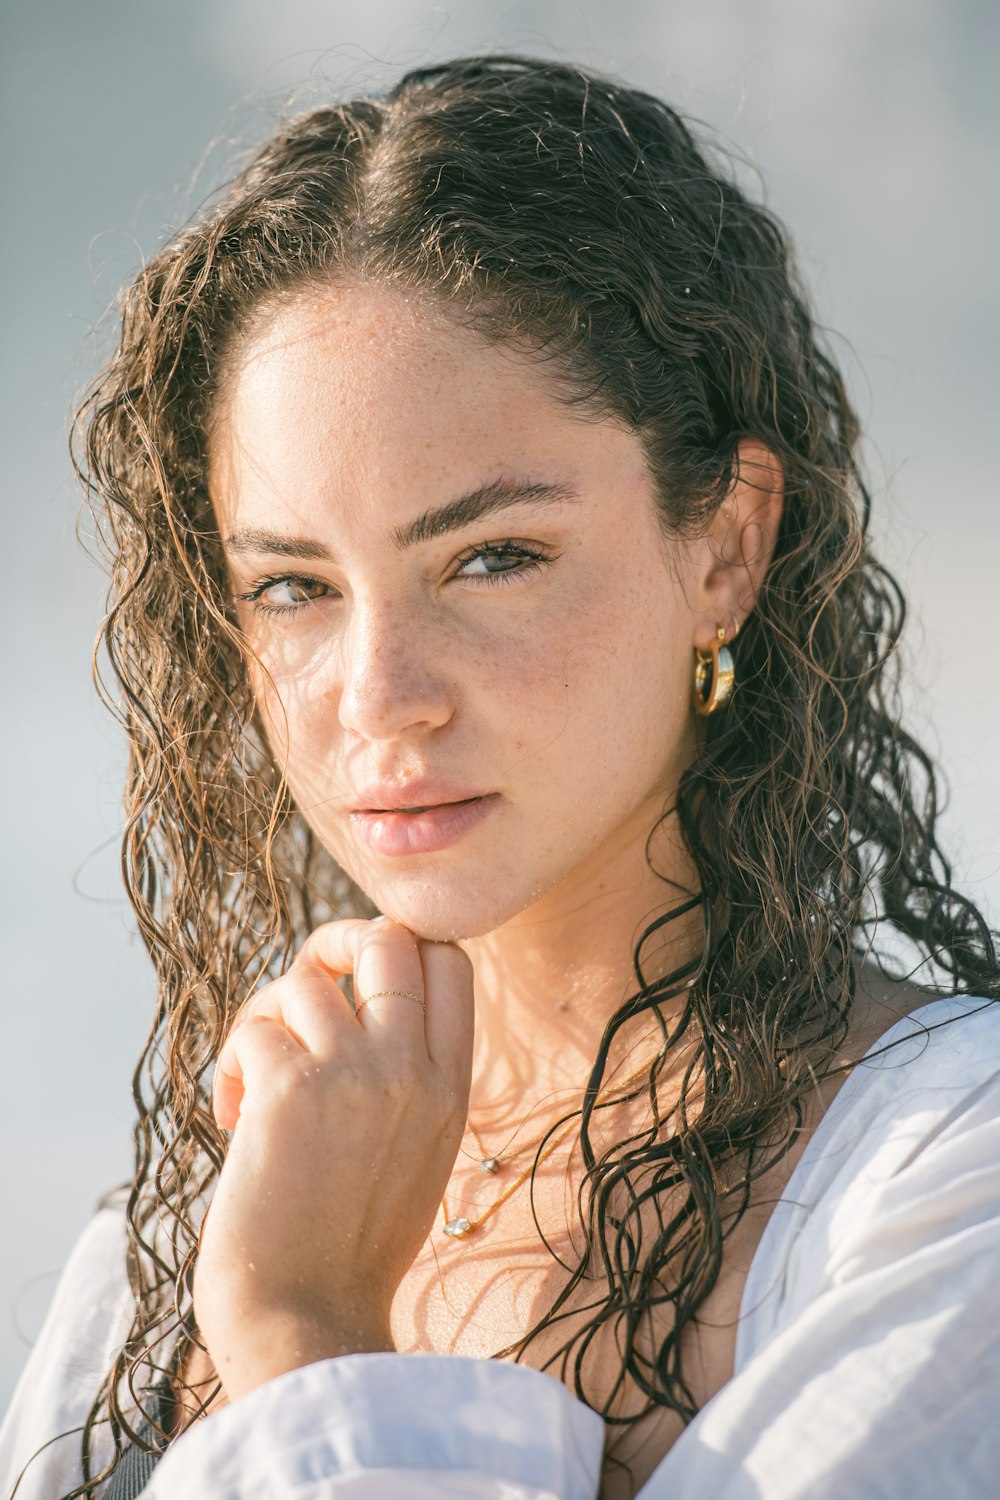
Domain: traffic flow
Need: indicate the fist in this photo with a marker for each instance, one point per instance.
(345, 1131)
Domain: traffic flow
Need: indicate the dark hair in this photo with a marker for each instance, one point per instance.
(581, 219)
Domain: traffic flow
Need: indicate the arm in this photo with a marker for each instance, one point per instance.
(84, 1327)
(405, 1426)
(347, 1128)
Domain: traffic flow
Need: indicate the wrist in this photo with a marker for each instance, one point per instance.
(265, 1347)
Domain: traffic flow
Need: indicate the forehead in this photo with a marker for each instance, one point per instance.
(361, 331)
(368, 395)
(356, 353)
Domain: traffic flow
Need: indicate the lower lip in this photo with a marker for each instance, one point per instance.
(423, 832)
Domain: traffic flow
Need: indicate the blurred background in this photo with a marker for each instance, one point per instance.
(875, 126)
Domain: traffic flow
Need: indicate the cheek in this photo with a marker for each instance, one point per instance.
(626, 687)
(292, 677)
(632, 616)
(612, 653)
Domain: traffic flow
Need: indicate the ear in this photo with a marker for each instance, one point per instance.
(739, 543)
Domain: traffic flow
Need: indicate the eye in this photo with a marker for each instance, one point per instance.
(501, 561)
(282, 595)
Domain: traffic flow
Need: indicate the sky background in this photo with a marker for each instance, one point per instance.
(875, 126)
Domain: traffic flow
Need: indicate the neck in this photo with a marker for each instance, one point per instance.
(548, 982)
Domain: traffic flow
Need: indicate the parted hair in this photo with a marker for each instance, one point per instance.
(584, 221)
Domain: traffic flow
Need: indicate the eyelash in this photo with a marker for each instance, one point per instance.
(534, 558)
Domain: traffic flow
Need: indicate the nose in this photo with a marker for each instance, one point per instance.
(390, 679)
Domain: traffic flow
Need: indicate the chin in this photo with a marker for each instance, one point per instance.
(434, 909)
(440, 921)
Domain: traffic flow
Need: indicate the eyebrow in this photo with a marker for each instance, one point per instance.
(501, 494)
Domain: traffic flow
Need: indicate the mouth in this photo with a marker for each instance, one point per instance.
(424, 807)
(425, 827)
(427, 793)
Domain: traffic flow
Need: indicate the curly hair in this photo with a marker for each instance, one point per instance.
(582, 219)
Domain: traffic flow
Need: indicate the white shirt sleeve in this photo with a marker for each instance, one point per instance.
(392, 1427)
(85, 1326)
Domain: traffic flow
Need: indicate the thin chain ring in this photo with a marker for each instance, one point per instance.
(381, 994)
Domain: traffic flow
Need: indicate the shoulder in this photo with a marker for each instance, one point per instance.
(86, 1324)
(886, 1009)
(868, 1351)
(868, 1361)
(901, 1165)
(93, 1278)
(930, 1081)
(921, 1074)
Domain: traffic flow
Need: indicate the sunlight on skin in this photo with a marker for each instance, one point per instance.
(563, 688)
(551, 705)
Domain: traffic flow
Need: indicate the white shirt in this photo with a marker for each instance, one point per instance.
(867, 1360)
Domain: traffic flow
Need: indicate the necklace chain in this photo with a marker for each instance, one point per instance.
(491, 1161)
(459, 1227)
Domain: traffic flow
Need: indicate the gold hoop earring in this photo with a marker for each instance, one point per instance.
(714, 674)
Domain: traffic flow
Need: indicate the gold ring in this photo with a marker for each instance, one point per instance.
(378, 995)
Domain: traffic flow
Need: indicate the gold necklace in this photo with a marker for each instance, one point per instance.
(457, 1228)
(490, 1162)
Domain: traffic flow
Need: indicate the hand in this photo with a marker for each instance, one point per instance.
(346, 1129)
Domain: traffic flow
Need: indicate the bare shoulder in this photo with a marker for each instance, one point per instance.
(880, 1002)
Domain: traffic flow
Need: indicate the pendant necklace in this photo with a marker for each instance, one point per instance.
(458, 1227)
(490, 1162)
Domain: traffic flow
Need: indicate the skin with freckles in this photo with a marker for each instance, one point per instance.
(559, 682)
(410, 664)
(533, 658)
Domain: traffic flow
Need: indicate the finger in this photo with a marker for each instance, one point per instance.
(450, 1011)
(333, 946)
(309, 1002)
(251, 1055)
(389, 988)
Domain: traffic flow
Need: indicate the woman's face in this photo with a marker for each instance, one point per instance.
(460, 599)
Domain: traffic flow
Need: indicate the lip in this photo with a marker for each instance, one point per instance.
(397, 833)
(383, 797)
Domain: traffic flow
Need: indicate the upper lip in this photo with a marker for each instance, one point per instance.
(381, 797)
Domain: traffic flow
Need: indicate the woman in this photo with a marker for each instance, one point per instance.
(498, 637)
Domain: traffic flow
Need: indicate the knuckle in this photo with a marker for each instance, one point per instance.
(327, 948)
(286, 1085)
(310, 1000)
(256, 1030)
(260, 1002)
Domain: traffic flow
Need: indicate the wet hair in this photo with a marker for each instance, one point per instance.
(582, 220)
